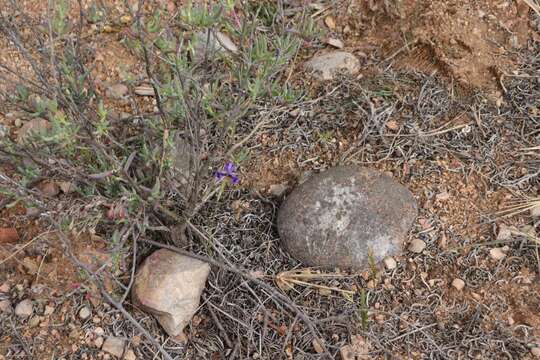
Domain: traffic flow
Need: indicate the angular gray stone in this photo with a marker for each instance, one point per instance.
(216, 42)
(117, 91)
(24, 309)
(417, 246)
(328, 65)
(114, 346)
(169, 286)
(338, 217)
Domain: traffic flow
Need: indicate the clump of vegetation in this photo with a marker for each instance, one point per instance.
(203, 91)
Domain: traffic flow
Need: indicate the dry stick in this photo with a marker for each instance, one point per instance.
(245, 274)
(218, 323)
(132, 274)
(19, 337)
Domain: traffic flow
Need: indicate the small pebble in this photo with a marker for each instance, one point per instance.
(49, 188)
(458, 284)
(441, 197)
(476, 296)
(24, 309)
(392, 125)
(330, 22)
(278, 189)
(34, 321)
(4, 288)
(504, 233)
(48, 310)
(114, 345)
(84, 313)
(417, 246)
(117, 91)
(5, 306)
(32, 211)
(497, 254)
(130, 355)
(338, 44)
(390, 263)
(99, 331)
(98, 342)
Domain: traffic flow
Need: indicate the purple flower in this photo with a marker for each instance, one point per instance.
(228, 171)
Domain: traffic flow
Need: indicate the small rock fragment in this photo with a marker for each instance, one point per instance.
(125, 19)
(66, 187)
(34, 321)
(48, 310)
(417, 246)
(390, 263)
(278, 189)
(4, 288)
(458, 284)
(169, 286)
(226, 42)
(213, 42)
(8, 235)
(504, 234)
(5, 306)
(117, 91)
(130, 355)
(327, 66)
(392, 125)
(99, 331)
(32, 211)
(317, 345)
(497, 254)
(144, 91)
(114, 346)
(443, 196)
(330, 22)
(84, 313)
(49, 188)
(98, 342)
(24, 309)
(338, 44)
(476, 296)
(535, 351)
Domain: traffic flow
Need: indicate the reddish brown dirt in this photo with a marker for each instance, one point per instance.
(469, 42)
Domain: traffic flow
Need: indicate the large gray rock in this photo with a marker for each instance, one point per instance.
(338, 217)
(328, 65)
(169, 286)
